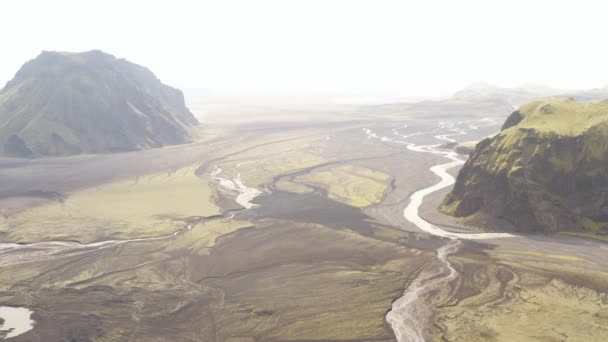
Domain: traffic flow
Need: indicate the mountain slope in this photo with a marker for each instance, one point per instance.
(547, 170)
(90, 102)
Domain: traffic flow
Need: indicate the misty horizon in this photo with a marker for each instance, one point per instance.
(202, 95)
(324, 50)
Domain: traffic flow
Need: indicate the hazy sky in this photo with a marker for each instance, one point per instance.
(376, 48)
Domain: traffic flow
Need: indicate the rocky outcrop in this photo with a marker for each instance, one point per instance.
(90, 102)
(547, 170)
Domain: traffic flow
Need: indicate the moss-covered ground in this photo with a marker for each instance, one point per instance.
(356, 186)
(151, 205)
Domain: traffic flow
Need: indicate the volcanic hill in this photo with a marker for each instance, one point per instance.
(547, 170)
(91, 102)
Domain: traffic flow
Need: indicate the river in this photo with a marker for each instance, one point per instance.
(16, 321)
(410, 314)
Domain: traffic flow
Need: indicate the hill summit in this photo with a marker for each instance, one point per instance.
(91, 102)
(547, 170)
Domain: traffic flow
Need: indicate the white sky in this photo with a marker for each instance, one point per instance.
(373, 48)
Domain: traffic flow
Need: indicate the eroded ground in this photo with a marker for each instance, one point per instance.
(320, 256)
(525, 295)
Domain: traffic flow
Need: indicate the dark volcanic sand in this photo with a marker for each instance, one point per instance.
(304, 256)
(309, 208)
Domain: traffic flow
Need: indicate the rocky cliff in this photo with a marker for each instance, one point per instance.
(91, 102)
(547, 170)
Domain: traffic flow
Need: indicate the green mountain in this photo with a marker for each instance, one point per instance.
(91, 102)
(547, 170)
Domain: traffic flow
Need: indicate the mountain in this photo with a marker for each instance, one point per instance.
(547, 170)
(482, 100)
(477, 100)
(91, 102)
(450, 107)
(514, 96)
(590, 95)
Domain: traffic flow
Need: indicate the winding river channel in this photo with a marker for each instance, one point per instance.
(17, 320)
(245, 194)
(410, 314)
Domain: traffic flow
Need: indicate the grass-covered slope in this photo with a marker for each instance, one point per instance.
(90, 102)
(547, 170)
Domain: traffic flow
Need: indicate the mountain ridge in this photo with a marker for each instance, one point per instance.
(89, 102)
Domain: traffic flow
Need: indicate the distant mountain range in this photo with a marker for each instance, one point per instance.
(91, 102)
(514, 96)
(529, 92)
(483, 100)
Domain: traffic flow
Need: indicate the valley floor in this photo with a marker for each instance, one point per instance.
(274, 233)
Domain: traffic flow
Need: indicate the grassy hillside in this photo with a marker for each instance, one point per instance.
(90, 102)
(546, 170)
(563, 116)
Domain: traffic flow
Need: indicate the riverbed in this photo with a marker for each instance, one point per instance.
(278, 261)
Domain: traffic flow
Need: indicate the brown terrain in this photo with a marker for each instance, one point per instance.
(321, 255)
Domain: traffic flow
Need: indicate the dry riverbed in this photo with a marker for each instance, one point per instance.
(163, 245)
